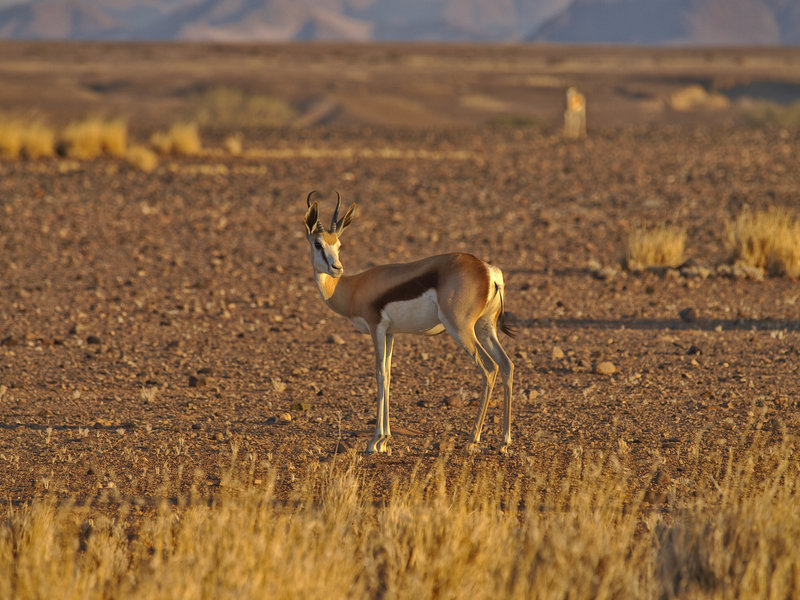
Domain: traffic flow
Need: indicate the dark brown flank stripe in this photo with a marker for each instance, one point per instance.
(409, 290)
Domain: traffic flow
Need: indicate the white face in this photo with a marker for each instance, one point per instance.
(325, 253)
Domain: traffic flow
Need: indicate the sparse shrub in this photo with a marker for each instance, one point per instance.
(227, 107)
(694, 97)
(38, 140)
(160, 142)
(95, 136)
(661, 246)
(233, 144)
(23, 137)
(764, 113)
(181, 138)
(10, 138)
(142, 157)
(115, 137)
(768, 240)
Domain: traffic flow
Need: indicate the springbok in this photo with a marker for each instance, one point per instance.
(457, 293)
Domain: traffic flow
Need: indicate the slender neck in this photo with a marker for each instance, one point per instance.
(332, 292)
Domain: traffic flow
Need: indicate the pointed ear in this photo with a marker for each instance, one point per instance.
(345, 220)
(312, 219)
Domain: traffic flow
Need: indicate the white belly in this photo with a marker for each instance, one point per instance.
(420, 315)
(360, 324)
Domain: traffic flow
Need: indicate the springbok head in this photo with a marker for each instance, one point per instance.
(325, 245)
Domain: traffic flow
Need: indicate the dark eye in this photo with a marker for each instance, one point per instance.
(317, 245)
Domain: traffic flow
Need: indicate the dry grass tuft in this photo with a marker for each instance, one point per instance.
(95, 136)
(10, 138)
(582, 526)
(38, 140)
(695, 97)
(764, 113)
(233, 144)
(181, 139)
(228, 107)
(26, 138)
(768, 240)
(142, 158)
(661, 246)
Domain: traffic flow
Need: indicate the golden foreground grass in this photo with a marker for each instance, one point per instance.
(576, 525)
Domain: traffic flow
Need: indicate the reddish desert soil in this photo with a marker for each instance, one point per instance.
(158, 327)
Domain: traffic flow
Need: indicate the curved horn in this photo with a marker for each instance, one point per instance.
(308, 200)
(336, 212)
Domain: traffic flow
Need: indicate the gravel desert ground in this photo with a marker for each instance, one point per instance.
(158, 326)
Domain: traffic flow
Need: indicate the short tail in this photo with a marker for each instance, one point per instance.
(501, 320)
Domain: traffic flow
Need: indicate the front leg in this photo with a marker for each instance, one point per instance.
(387, 383)
(383, 344)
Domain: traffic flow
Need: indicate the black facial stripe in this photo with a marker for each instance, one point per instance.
(324, 255)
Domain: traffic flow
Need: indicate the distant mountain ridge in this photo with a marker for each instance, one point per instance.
(648, 22)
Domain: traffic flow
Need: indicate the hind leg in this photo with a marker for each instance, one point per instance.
(487, 336)
(465, 336)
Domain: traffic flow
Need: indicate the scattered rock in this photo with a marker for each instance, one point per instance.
(335, 339)
(741, 270)
(694, 350)
(744, 271)
(603, 273)
(9, 342)
(93, 339)
(284, 418)
(557, 353)
(454, 401)
(195, 381)
(689, 315)
(605, 367)
(341, 447)
(691, 270)
(530, 394)
(301, 406)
